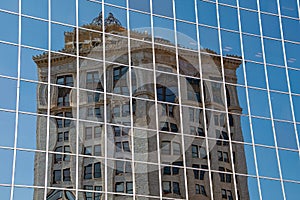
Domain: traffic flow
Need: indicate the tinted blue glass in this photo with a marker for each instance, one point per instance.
(229, 2)
(28, 66)
(187, 35)
(36, 28)
(270, 31)
(259, 102)
(290, 165)
(240, 75)
(163, 7)
(228, 18)
(28, 100)
(185, 10)
(164, 28)
(207, 13)
(289, 8)
(11, 5)
(277, 78)
(139, 22)
(285, 135)
(252, 48)
(6, 157)
(57, 36)
(209, 39)
(116, 2)
(294, 80)
(271, 189)
(7, 120)
(63, 11)
(256, 75)
(241, 93)
(253, 188)
(36, 8)
(246, 129)
(281, 106)
(267, 162)
(231, 43)
(262, 131)
(296, 104)
(273, 51)
(5, 192)
(252, 4)
(10, 22)
(291, 28)
(9, 88)
(8, 67)
(292, 52)
(290, 189)
(268, 6)
(24, 168)
(87, 11)
(118, 13)
(143, 5)
(249, 22)
(27, 132)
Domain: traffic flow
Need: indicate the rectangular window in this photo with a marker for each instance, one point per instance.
(126, 147)
(88, 133)
(195, 151)
(97, 170)
(88, 172)
(56, 176)
(97, 150)
(176, 189)
(97, 133)
(166, 187)
(129, 188)
(119, 187)
(66, 175)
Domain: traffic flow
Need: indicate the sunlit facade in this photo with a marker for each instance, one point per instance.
(149, 99)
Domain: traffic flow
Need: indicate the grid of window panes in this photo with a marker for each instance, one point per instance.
(149, 99)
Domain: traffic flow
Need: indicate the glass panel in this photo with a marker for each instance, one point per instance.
(228, 18)
(290, 28)
(88, 11)
(249, 21)
(285, 135)
(11, 5)
(252, 48)
(40, 8)
(184, 7)
(29, 68)
(117, 2)
(28, 96)
(277, 78)
(276, 189)
(292, 50)
(267, 162)
(26, 170)
(115, 15)
(187, 35)
(63, 11)
(142, 5)
(256, 75)
(9, 88)
(207, 13)
(259, 102)
(252, 4)
(231, 44)
(290, 188)
(9, 60)
(269, 31)
(163, 7)
(294, 80)
(30, 193)
(289, 8)
(7, 120)
(141, 29)
(268, 6)
(209, 40)
(61, 41)
(262, 131)
(281, 106)
(163, 30)
(10, 22)
(6, 170)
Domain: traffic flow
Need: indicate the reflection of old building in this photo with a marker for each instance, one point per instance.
(128, 96)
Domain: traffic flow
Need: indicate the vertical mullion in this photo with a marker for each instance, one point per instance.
(248, 102)
(131, 100)
(77, 101)
(156, 105)
(269, 96)
(287, 76)
(180, 105)
(203, 103)
(17, 102)
(48, 99)
(105, 103)
(225, 100)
